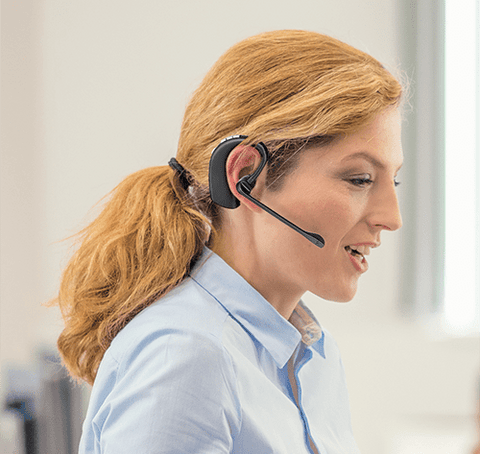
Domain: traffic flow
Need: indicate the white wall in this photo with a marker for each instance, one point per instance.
(92, 91)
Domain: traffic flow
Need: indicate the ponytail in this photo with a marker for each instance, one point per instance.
(144, 243)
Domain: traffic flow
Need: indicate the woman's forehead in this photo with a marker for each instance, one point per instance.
(378, 144)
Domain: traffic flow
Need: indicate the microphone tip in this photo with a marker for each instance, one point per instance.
(316, 239)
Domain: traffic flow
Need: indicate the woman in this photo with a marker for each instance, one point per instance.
(183, 302)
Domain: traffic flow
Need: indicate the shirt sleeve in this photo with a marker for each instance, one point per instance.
(175, 393)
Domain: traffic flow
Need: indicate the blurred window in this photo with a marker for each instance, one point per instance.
(441, 194)
(462, 166)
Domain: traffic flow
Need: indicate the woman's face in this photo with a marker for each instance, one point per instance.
(345, 192)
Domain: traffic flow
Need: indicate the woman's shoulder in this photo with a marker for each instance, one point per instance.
(187, 315)
(168, 359)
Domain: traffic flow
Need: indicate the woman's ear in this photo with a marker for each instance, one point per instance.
(242, 161)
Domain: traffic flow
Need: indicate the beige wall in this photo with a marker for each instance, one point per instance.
(92, 91)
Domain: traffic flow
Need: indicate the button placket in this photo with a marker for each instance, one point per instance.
(301, 356)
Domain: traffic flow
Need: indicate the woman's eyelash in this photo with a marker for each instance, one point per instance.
(361, 181)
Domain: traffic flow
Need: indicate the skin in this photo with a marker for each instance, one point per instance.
(345, 191)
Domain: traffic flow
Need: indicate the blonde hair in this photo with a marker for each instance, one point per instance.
(288, 89)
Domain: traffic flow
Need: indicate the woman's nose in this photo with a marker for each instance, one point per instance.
(385, 211)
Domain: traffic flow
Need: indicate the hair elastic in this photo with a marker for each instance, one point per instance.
(181, 172)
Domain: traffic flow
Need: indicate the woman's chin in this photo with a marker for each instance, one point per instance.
(344, 294)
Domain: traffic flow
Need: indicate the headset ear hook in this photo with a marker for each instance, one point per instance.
(248, 182)
(252, 179)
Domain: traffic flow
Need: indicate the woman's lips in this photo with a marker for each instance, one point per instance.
(358, 261)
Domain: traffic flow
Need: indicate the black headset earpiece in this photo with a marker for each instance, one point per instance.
(220, 191)
(217, 174)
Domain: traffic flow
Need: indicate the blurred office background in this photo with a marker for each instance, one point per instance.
(92, 91)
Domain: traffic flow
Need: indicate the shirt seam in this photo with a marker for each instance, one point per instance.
(237, 392)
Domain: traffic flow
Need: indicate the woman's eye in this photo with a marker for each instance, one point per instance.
(396, 182)
(361, 181)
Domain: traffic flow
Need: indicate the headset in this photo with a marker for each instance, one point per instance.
(220, 191)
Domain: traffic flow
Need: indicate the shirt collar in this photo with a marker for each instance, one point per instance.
(252, 311)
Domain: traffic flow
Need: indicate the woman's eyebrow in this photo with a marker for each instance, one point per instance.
(368, 157)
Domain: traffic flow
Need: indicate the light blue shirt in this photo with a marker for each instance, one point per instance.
(207, 369)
